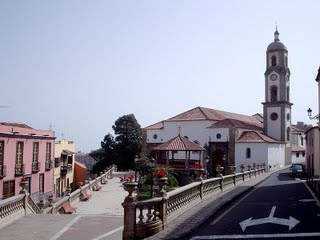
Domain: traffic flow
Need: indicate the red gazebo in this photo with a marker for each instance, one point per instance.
(180, 154)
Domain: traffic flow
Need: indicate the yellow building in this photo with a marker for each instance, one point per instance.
(63, 166)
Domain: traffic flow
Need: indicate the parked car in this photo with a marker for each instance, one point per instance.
(297, 170)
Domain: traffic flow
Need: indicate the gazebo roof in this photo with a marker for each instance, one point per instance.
(179, 143)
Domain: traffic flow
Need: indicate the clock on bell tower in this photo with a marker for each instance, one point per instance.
(277, 106)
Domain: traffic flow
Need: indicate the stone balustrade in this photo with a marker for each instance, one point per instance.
(146, 218)
(75, 196)
(15, 207)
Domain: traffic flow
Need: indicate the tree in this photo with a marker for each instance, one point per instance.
(128, 141)
(105, 155)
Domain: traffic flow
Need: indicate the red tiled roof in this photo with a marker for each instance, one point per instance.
(258, 116)
(179, 144)
(236, 123)
(21, 125)
(254, 137)
(201, 113)
(158, 125)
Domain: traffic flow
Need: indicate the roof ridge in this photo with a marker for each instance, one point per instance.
(201, 110)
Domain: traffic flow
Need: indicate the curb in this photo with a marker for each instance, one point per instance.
(218, 207)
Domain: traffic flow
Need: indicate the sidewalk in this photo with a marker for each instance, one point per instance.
(198, 213)
(100, 218)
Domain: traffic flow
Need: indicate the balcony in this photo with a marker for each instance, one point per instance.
(57, 162)
(19, 169)
(48, 165)
(3, 171)
(35, 167)
(63, 170)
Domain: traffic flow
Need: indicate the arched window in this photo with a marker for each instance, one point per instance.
(274, 93)
(286, 60)
(301, 140)
(248, 153)
(288, 94)
(273, 61)
(288, 133)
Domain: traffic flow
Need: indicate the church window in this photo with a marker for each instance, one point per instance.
(288, 133)
(274, 93)
(218, 136)
(301, 139)
(288, 116)
(155, 136)
(274, 116)
(297, 154)
(273, 61)
(288, 94)
(303, 154)
(286, 60)
(248, 153)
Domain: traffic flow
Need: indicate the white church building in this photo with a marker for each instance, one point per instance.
(233, 139)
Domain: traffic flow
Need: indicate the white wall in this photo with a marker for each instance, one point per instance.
(299, 159)
(276, 155)
(261, 153)
(194, 130)
(274, 127)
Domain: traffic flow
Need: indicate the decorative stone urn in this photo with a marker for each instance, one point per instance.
(130, 187)
(219, 170)
(232, 169)
(162, 186)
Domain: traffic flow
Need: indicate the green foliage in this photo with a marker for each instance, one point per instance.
(128, 141)
(104, 155)
(172, 181)
(122, 149)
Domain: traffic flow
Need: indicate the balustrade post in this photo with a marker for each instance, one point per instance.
(219, 170)
(201, 189)
(129, 219)
(163, 211)
(249, 169)
(242, 171)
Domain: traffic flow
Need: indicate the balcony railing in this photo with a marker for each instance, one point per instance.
(48, 165)
(63, 170)
(19, 169)
(57, 162)
(69, 167)
(35, 167)
(3, 171)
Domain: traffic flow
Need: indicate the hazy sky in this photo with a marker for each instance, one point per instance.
(79, 65)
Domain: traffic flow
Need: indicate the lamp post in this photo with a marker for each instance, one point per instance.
(315, 117)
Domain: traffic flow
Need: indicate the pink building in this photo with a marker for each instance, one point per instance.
(26, 153)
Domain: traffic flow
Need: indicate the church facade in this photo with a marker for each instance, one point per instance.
(233, 139)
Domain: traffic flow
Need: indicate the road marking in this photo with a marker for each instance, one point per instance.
(314, 196)
(233, 206)
(291, 222)
(307, 200)
(108, 233)
(63, 230)
(247, 236)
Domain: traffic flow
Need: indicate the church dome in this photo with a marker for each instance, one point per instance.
(276, 45)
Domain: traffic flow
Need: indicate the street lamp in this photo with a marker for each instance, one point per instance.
(310, 115)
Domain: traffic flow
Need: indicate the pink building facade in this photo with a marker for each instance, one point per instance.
(26, 154)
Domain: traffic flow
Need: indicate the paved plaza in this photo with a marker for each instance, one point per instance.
(100, 218)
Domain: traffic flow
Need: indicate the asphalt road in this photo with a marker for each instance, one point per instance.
(278, 208)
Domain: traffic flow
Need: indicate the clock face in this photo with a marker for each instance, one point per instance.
(273, 77)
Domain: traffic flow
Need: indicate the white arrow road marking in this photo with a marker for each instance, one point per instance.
(307, 200)
(291, 222)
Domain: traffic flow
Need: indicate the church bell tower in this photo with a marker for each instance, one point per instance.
(277, 106)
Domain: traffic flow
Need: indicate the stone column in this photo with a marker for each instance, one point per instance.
(129, 219)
